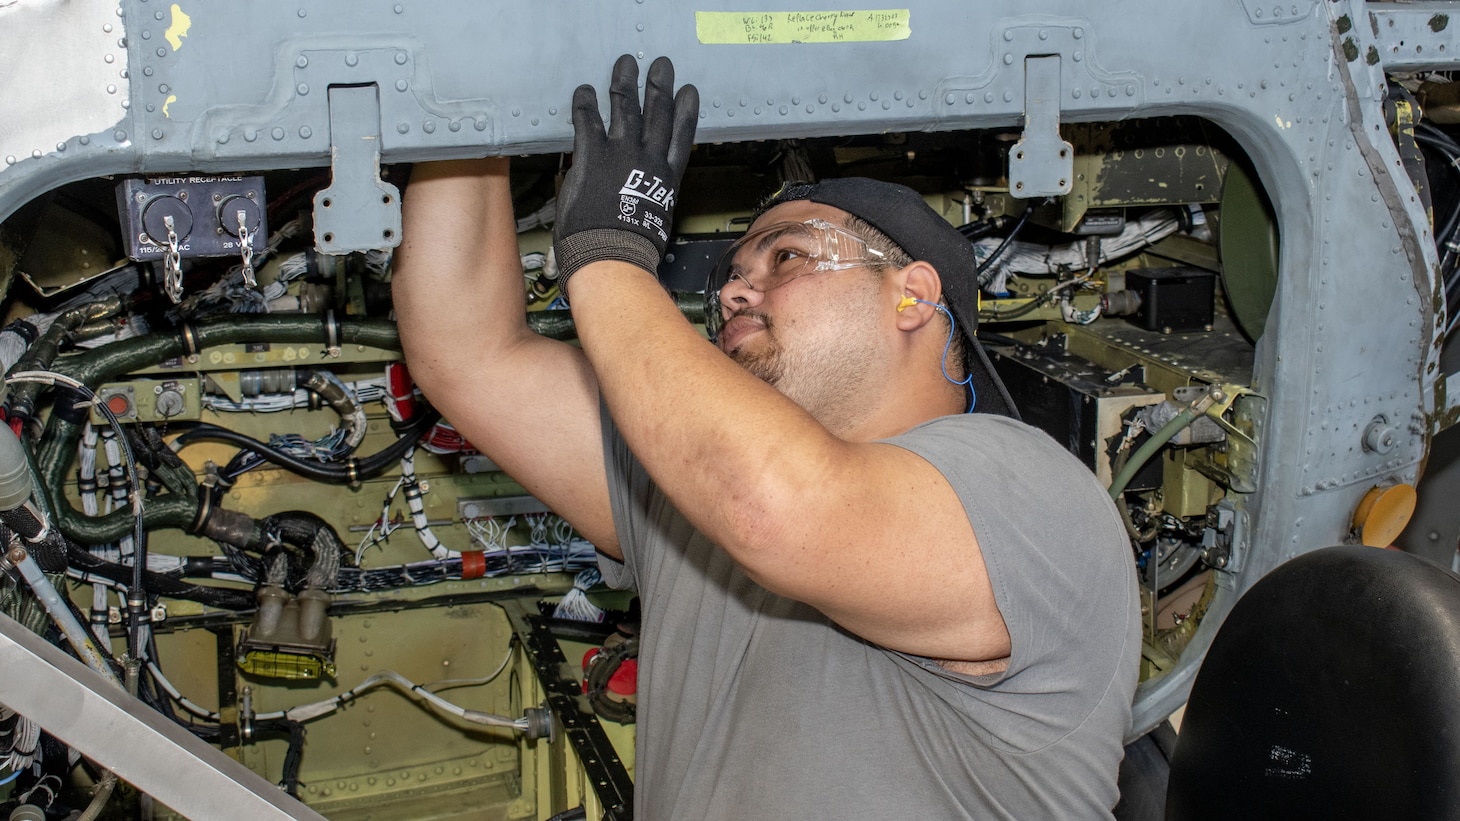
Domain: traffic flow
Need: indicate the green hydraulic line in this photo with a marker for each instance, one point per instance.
(98, 366)
(178, 509)
(559, 324)
(1219, 395)
(1144, 453)
(93, 368)
(41, 353)
(691, 304)
(171, 511)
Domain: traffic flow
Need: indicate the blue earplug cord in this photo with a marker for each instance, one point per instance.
(967, 380)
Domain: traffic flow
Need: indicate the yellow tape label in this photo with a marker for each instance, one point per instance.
(761, 27)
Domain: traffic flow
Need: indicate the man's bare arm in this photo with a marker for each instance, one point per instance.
(870, 534)
(528, 402)
(807, 514)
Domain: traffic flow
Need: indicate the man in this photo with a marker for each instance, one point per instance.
(859, 601)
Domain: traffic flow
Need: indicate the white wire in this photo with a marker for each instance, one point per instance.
(99, 604)
(1067, 310)
(575, 604)
(86, 472)
(565, 549)
(172, 692)
(451, 683)
(1074, 317)
(1032, 258)
(27, 736)
(382, 522)
(25, 797)
(541, 217)
(417, 505)
(490, 533)
(377, 260)
(308, 712)
(12, 347)
(365, 391)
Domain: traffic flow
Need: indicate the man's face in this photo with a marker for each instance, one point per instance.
(813, 337)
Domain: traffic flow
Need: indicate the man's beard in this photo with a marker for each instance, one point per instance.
(766, 364)
(824, 375)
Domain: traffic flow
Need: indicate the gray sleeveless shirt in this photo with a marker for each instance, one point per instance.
(752, 705)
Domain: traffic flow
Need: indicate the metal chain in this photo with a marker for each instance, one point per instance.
(172, 264)
(245, 241)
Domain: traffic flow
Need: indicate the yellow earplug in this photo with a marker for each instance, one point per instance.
(906, 303)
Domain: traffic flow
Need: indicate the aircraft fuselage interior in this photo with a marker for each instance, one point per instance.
(251, 572)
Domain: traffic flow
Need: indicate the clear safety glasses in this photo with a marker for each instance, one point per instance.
(769, 257)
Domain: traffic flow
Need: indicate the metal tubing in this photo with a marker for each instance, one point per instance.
(45, 592)
(103, 722)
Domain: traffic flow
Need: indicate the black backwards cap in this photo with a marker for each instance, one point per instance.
(905, 218)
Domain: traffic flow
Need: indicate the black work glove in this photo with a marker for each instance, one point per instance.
(617, 201)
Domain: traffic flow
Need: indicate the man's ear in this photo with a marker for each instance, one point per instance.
(919, 282)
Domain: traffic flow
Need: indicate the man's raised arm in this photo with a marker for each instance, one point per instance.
(459, 300)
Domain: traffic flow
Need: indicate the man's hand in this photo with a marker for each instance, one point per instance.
(617, 202)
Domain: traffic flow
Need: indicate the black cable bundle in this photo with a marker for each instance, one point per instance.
(158, 583)
(350, 472)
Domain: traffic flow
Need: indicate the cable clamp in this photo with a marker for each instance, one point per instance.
(245, 714)
(189, 341)
(352, 470)
(205, 509)
(331, 334)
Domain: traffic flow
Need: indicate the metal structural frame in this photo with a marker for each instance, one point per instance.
(142, 746)
(156, 86)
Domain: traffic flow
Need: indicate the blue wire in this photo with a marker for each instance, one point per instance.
(9, 778)
(967, 380)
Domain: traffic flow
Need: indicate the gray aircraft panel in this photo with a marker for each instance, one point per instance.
(1357, 323)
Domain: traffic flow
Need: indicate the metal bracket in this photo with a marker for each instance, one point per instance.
(605, 770)
(1224, 539)
(359, 211)
(1242, 450)
(1041, 164)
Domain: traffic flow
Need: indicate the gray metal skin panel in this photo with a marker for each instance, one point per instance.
(1355, 327)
